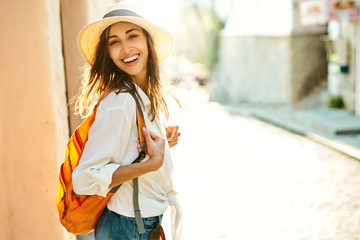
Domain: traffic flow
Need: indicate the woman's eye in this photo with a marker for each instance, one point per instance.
(133, 36)
(113, 42)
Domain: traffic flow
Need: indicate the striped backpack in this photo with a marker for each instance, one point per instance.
(79, 213)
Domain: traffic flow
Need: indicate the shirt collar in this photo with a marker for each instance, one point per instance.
(143, 96)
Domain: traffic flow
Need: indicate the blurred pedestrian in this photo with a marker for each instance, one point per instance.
(123, 49)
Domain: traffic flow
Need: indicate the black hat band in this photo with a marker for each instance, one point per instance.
(121, 13)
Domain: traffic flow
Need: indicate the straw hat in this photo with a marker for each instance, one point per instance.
(122, 11)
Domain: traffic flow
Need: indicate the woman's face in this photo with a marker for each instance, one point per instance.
(127, 46)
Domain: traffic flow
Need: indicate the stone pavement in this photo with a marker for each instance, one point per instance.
(335, 128)
(239, 178)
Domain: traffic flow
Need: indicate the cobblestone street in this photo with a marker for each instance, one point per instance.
(240, 178)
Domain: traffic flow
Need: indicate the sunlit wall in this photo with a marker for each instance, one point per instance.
(266, 57)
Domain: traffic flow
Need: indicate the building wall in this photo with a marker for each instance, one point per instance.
(260, 18)
(347, 82)
(266, 56)
(308, 65)
(34, 74)
(75, 15)
(343, 37)
(268, 70)
(357, 69)
(33, 111)
(252, 70)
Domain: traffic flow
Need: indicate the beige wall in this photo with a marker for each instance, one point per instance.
(308, 65)
(33, 111)
(33, 108)
(348, 81)
(268, 61)
(74, 16)
(268, 70)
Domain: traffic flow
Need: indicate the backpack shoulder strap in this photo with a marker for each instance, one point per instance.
(140, 124)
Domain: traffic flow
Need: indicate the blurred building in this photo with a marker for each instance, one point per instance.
(279, 52)
(343, 48)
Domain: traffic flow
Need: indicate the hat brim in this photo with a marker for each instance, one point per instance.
(89, 36)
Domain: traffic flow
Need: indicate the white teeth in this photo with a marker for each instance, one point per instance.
(126, 60)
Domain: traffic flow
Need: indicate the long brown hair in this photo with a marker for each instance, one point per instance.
(103, 77)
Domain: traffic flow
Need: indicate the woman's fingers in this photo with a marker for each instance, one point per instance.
(154, 136)
(172, 143)
(172, 135)
(139, 148)
(145, 133)
(174, 138)
(153, 141)
(174, 131)
(155, 146)
(171, 131)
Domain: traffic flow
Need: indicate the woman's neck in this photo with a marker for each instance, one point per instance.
(141, 83)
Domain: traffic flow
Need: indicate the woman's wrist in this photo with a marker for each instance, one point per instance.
(152, 164)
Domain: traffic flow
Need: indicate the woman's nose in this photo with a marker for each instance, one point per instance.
(126, 48)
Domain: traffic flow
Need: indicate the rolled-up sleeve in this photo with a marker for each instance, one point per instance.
(107, 142)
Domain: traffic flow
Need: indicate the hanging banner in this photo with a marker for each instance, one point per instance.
(313, 12)
(344, 10)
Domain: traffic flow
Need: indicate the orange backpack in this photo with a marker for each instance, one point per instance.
(79, 213)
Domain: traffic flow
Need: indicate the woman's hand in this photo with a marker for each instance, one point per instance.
(155, 146)
(172, 135)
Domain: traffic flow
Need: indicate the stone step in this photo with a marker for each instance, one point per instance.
(330, 121)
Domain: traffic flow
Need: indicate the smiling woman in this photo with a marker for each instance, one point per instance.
(127, 46)
(123, 51)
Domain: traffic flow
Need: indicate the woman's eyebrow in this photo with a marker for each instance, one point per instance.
(127, 32)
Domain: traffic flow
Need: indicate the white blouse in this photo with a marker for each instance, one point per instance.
(112, 142)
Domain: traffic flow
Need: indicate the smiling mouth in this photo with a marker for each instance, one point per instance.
(131, 59)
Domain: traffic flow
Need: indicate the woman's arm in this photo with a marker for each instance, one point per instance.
(106, 146)
(155, 149)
